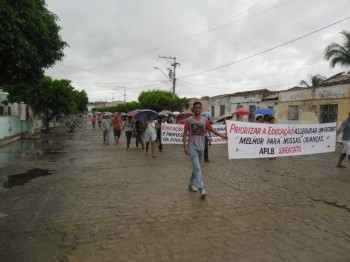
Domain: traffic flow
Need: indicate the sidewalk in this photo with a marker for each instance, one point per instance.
(103, 203)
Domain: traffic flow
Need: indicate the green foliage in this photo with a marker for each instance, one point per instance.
(158, 100)
(52, 97)
(315, 80)
(128, 106)
(81, 99)
(29, 43)
(339, 54)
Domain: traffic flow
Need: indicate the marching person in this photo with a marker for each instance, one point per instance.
(106, 124)
(345, 129)
(196, 127)
(93, 121)
(150, 135)
(129, 127)
(117, 127)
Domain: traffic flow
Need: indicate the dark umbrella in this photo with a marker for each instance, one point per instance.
(263, 111)
(143, 114)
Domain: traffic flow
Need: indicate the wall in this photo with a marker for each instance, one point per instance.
(12, 126)
(309, 101)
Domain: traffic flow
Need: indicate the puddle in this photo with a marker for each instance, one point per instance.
(20, 149)
(23, 178)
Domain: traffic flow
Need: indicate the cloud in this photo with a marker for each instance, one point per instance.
(114, 40)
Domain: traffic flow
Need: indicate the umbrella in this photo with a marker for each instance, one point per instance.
(96, 112)
(176, 113)
(166, 112)
(143, 114)
(108, 113)
(242, 111)
(263, 111)
(222, 118)
(184, 115)
(132, 113)
(162, 114)
(206, 113)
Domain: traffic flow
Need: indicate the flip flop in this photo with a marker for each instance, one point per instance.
(341, 166)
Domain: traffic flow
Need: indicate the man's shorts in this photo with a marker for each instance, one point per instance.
(117, 132)
(346, 147)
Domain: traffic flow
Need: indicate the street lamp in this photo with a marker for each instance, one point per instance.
(163, 73)
(172, 80)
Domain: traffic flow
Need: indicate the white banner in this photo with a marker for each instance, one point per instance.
(172, 134)
(252, 140)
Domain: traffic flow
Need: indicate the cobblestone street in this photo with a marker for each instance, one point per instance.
(103, 203)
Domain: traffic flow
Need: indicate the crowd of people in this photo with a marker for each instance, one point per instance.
(196, 137)
(147, 134)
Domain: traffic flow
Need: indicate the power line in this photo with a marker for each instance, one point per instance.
(219, 27)
(110, 75)
(177, 41)
(267, 50)
(251, 78)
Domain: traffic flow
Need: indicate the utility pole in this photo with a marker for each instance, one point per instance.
(172, 75)
(124, 89)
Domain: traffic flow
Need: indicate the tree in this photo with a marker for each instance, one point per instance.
(158, 100)
(338, 54)
(315, 80)
(81, 100)
(29, 43)
(128, 106)
(53, 97)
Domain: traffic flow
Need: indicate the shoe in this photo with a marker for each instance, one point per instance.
(128, 149)
(203, 193)
(192, 188)
(207, 160)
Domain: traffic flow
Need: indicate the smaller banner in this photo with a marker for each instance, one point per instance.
(252, 140)
(172, 134)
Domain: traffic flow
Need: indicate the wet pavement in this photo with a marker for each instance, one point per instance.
(81, 200)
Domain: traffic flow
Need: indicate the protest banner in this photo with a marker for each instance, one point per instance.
(253, 140)
(172, 134)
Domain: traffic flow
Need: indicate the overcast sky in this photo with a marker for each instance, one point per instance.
(115, 44)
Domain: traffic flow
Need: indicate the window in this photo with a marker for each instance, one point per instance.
(222, 110)
(328, 113)
(213, 110)
(293, 113)
(9, 110)
(1, 110)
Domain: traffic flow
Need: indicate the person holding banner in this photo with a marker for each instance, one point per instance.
(345, 129)
(195, 127)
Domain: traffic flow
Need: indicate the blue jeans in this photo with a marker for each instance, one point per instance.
(106, 136)
(196, 158)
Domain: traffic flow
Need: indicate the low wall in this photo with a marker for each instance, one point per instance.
(13, 128)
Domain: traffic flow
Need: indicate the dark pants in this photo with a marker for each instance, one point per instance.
(206, 149)
(160, 146)
(128, 138)
(139, 139)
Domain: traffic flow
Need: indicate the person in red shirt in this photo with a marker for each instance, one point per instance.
(117, 127)
(99, 121)
(93, 121)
